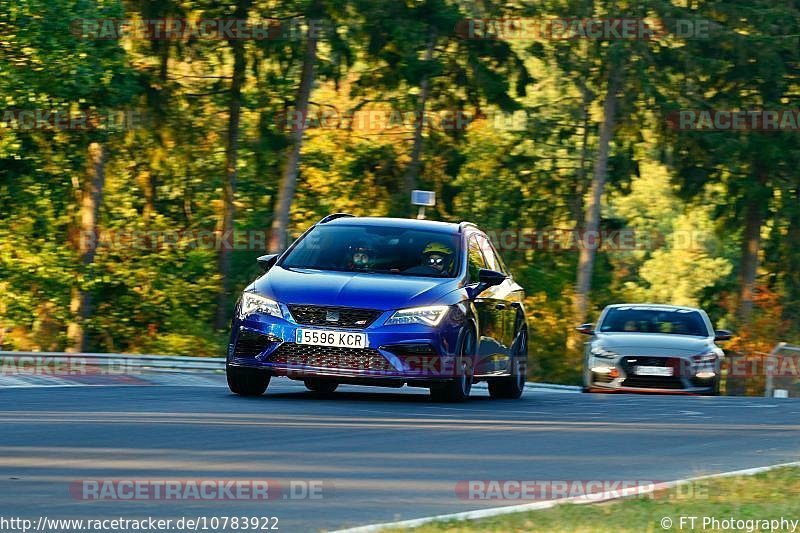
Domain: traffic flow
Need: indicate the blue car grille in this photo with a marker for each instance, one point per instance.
(290, 353)
(333, 317)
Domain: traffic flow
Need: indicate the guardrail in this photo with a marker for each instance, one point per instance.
(774, 374)
(142, 361)
(163, 363)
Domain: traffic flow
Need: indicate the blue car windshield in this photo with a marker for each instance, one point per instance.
(377, 249)
(641, 319)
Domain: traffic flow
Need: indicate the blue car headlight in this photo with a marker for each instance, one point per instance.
(254, 303)
(430, 315)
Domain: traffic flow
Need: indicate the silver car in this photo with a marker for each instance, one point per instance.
(652, 348)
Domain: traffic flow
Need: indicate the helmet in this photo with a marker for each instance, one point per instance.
(437, 247)
(437, 256)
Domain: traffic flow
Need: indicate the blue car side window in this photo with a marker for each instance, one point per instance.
(475, 259)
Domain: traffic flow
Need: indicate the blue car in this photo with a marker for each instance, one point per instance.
(382, 301)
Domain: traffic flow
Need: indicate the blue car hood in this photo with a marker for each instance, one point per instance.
(351, 289)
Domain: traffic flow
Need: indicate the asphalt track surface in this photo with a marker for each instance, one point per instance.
(379, 454)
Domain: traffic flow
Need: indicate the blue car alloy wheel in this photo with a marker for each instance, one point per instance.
(382, 302)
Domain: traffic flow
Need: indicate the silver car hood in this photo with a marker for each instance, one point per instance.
(653, 344)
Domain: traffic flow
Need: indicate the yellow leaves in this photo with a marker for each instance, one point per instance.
(682, 254)
(679, 271)
(678, 276)
(651, 202)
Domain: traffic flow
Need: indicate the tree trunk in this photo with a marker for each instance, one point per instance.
(587, 253)
(231, 163)
(91, 197)
(791, 308)
(574, 339)
(754, 214)
(161, 107)
(576, 205)
(412, 170)
(280, 218)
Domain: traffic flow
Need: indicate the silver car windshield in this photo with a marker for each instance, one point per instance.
(654, 320)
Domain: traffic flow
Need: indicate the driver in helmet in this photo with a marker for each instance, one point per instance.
(436, 259)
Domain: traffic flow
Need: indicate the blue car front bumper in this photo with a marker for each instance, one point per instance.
(395, 353)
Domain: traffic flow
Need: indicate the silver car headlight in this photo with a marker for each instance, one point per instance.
(599, 351)
(430, 315)
(254, 303)
(705, 358)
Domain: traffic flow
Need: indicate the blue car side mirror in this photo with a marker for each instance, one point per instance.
(486, 278)
(267, 261)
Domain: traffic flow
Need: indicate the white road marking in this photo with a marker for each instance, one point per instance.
(535, 506)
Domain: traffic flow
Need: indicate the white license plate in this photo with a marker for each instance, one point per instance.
(325, 337)
(653, 370)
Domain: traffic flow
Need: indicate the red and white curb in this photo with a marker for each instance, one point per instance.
(536, 506)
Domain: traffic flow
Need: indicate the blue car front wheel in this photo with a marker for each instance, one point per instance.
(246, 381)
(458, 389)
